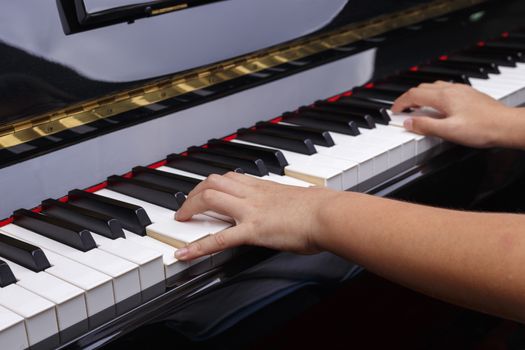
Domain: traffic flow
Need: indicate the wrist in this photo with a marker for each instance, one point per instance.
(511, 133)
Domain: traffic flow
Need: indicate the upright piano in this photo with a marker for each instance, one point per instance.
(112, 111)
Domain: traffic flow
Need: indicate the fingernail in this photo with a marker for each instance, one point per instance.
(181, 253)
(408, 124)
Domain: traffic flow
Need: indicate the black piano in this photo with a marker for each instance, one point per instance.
(112, 111)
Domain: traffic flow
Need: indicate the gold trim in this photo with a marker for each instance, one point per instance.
(168, 9)
(24, 131)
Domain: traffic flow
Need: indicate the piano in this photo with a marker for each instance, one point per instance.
(112, 111)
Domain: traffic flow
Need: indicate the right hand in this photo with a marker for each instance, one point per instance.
(471, 118)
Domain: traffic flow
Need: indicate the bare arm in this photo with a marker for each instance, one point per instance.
(473, 259)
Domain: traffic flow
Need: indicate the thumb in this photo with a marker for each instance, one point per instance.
(425, 125)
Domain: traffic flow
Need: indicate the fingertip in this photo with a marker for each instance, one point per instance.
(182, 254)
(409, 124)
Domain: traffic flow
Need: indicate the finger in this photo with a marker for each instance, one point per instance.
(435, 85)
(426, 126)
(229, 238)
(245, 179)
(416, 97)
(210, 199)
(219, 183)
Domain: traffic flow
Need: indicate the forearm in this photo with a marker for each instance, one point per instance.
(472, 259)
(509, 131)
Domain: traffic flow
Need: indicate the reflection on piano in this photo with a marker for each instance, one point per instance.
(86, 255)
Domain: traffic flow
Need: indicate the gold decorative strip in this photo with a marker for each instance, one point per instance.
(24, 131)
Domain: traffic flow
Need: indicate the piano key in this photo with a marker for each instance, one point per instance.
(500, 60)
(125, 276)
(160, 195)
(474, 66)
(274, 159)
(98, 287)
(59, 230)
(376, 93)
(181, 172)
(6, 275)
(423, 143)
(250, 165)
(362, 120)
(319, 137)
(317, 169)
(286, 180)
(22, 253)
(471, 73)
(150, 263)
(69, 300)
(181, 183)
(429, 76)
(515, 54)
(171, 265)
(166, 229)
(279, 142)
(198, 166)
(39, 315)
(376, 111)
(131, 217)
(341, 126)
(91, 220)
(506, 44)
(13, 333)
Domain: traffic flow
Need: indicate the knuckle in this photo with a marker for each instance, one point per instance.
(213, 179)
(209, 195)
(220, 240)
(198, 247)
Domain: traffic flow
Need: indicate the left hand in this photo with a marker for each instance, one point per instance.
(267, 214)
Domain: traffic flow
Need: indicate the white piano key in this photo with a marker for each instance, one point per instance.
(38, 313)
(179, 234)
(181, 172)
(171, 265)
(285, 180)
(151, 267)
(124, 274)
(317, 169)
(69, 300)
(13, 333)
(98, 287)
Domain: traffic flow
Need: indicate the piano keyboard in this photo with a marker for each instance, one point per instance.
(75, 263)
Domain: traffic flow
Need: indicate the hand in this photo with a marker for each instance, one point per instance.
(470, 118)
(266, 213)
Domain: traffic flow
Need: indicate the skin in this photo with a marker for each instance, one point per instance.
(475, 260)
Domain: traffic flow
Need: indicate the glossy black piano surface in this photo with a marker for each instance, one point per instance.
(460, 178)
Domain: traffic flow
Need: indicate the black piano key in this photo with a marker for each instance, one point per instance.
(515, 54)
(362, 120)
(485, 67)
(377, 110)
(56, 229)
(22, 253)
(132, 217)
(507, 44)
(200, 167)
(274, 159)
(148, 192)
(250, 165)
(319, 137)
(177, 182)
(96, 222)
(6, 275)
(500, 60)
(376, 93)
(340, 126)
(303, 147)
(428, 76)
(472, 73)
